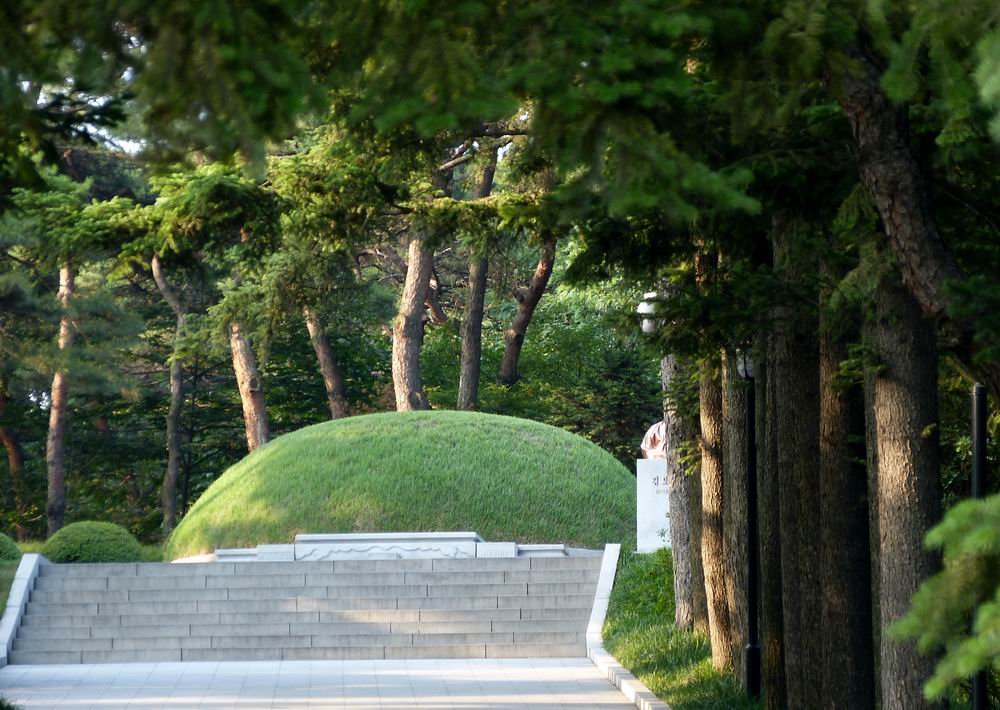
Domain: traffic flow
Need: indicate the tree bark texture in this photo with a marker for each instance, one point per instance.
(171, 476)
(712, 533)
(679, 491)
(527, 303)
(848, 679)
(909, 498)
(470, 363)
(734, 496)
(899, 189)
(408, 330)
(329, 368)
(15, 463)
(769, 519)
(55, 447)
(699, 597)
(795, 372)
(871, 457)
(251, 386)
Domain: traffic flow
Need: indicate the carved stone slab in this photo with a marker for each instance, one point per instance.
(276, 553)
(652, 505)
(386, 545)
(496, 549)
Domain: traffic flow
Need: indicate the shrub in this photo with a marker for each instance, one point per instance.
(7, 705)
(8, 549)
(966, 589)
(91, 541)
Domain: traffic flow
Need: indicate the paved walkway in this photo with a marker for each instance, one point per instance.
(544, 683)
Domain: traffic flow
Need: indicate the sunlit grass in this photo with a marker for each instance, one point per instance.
(505, 478)
(7, 570)
(639, 632)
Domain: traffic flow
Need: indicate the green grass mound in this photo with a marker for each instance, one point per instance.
(505, 478)
(8, 549)
(90, 541)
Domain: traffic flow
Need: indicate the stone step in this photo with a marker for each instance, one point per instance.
(354, 609)
(235, 569)
(301, 653)
(245, 647)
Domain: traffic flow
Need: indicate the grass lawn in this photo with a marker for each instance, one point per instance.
(505, 478)
(639, 632)
(7, 570)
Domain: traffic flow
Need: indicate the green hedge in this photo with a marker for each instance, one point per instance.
(91, 541)
(8, 549)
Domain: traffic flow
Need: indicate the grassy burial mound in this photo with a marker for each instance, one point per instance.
(505, 478)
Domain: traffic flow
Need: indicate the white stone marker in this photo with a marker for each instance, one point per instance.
(652, 510)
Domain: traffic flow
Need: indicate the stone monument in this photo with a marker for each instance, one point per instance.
(652, 500)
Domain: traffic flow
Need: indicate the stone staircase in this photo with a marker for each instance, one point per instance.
(329, 610)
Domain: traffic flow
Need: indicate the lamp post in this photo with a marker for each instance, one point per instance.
(751, 654)
(647, 311)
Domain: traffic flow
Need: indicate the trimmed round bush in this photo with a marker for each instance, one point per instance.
(90, 541)
(507, 479)
(8, 549)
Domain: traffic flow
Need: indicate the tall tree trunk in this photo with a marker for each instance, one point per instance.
(251, 386)
(15, 462)
(168, 491)
(734, 496)
(527, 303)
(874, 539)
(848, 679)
(712, 533)
(408, 330)
(55, 447)
(898, 187)
(769, 517)
(909, 468)
(796, 387)
(333, 379)
(470, 363)
(699, 596)
(679, 491)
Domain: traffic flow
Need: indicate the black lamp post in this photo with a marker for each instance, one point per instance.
(980, 680)
(751, 654)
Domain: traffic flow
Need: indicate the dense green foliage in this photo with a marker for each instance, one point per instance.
(8, 549)
(967, 588)
(505, 478)
(638, 631)
(90, 541)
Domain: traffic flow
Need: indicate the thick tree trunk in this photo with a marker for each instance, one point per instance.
(15, 463)
(796, 386)
(55, 447)
(333, 379)
(527, 303)
(168, 491)
(712, 533)
(251, 386)
(769, 517)
(408, 330)
(874, 539)
(679, 491)
(909, 469)
(899, 190)
(845, 564)
(699, 597)
(734, 496)
(470, 363)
